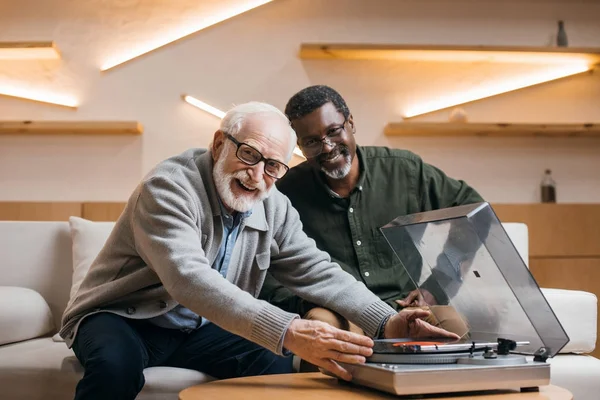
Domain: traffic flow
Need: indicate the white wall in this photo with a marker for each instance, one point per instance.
(254, 57)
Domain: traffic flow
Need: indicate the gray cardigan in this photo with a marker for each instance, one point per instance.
(161, 249)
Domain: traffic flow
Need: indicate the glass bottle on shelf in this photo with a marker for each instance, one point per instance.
(561, 36)
(548, 187)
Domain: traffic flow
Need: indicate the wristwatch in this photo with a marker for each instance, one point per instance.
(381, 330)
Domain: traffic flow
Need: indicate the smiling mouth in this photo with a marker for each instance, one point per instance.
(333, 156)
(244, 187)
(332, 159)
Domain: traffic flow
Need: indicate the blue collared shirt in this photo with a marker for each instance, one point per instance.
(185, 319)
(231, 228)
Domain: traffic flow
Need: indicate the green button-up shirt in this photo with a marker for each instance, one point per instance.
(391, 183)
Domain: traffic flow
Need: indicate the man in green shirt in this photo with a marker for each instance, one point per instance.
(344, 193)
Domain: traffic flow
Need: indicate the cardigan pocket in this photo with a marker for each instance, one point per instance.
(263, 260)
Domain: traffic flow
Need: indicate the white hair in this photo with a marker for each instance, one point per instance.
(234, 119)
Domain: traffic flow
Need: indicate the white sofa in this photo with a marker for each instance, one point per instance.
(40, 256)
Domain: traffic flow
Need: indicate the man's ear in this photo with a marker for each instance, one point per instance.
(351, 122)
(217, 144)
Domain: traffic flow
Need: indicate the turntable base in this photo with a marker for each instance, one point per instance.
(477, 374)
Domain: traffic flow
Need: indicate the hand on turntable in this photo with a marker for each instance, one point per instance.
(408, 324)
(418, 298)
(321, 344)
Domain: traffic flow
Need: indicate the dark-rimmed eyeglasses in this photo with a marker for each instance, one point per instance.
(251, 156)
(313, 146)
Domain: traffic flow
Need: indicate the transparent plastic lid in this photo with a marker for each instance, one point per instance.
(464, 263)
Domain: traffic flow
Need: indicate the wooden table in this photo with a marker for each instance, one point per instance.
(316, 386)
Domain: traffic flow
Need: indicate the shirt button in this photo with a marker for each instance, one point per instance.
(358, 242)
(360, 188)
(367, 273)
(131, 310)
(351, 210)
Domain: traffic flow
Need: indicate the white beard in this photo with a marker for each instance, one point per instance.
(341, 172)
(224, 181)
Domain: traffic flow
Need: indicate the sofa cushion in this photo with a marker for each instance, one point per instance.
(24, 314)
(37, 255)
(577, 312)
(43, 369)
(88, 239)
(579, 374)
(518, 234)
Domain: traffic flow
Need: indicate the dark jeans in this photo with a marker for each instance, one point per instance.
(114, 352)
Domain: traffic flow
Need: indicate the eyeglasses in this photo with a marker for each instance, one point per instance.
(250, 156)
(312, 147)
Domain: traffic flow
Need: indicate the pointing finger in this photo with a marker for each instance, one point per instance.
(352, 337)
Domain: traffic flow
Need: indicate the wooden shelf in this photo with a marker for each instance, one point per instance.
(449, 129)
(520, 54)
(70, 128)
(28, 51)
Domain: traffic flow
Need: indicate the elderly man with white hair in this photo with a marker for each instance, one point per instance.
(177, 280)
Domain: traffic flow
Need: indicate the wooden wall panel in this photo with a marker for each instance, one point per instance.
(38, 211)
(102, 211)
(557, 230)
(569, 273)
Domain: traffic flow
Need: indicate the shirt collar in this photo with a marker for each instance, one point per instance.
(233, 220)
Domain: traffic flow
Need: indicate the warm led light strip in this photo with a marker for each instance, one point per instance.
(203, 106)
(164, 38)
(219, 114)
(28, 51)
(432, 53)
(49, 98)
(479, 93)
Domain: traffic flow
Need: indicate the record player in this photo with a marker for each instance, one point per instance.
(465, 261)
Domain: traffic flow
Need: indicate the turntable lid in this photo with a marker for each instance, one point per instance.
(473, 277)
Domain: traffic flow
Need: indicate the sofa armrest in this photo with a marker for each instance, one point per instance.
(24, 314)
(577, 311)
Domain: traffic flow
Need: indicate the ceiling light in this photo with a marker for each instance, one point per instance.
(203, 106)
(164, 38)
(28, 51)
(496, 88)
(43, 97)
